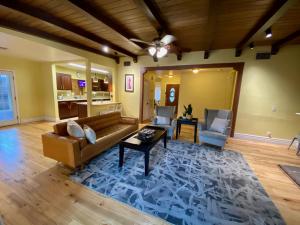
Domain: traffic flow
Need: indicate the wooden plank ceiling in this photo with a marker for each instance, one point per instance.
(197, 24)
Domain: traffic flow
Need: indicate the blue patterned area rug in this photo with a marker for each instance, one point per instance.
(187, 184)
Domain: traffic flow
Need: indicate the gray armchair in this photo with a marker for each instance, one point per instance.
(166, 112)
(206, 135)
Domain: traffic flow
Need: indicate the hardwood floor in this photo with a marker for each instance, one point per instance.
(36, 190)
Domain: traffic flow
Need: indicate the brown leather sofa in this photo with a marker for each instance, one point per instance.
(74, 152)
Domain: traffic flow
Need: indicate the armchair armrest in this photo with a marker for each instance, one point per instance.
(202, 126)
(129, 120)
(227, 131)
(62, 149)
(174, 123)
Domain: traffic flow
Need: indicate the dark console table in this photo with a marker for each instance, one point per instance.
(192, 122)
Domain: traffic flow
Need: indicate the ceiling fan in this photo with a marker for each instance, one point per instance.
(159, 47)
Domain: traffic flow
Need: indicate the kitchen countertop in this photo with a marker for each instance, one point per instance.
(78, 99)
(100, 103)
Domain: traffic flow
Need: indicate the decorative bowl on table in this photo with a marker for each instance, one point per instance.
(146, 135)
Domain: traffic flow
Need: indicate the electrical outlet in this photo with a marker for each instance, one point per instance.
(269, 134)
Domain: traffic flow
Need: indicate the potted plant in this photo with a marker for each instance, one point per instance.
(188, 112)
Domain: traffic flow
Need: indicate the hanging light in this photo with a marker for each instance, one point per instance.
(106, 80)
(161, 52)
(152, 51)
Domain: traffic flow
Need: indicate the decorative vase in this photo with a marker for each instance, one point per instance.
(189, 117)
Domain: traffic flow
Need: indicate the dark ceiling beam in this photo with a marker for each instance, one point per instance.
(42, 34)
(46, 17)
(153, 13)
(100, 15)
(278, 44)
(279, 8)
(211, 27)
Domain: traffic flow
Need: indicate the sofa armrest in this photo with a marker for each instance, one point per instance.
(129, 120)
(62, 149)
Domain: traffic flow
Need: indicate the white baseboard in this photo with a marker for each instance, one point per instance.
(252, 137)
(39, 118)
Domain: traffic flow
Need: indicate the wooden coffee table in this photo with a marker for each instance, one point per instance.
(131, 142)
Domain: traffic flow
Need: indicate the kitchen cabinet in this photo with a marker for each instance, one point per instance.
(68, 109)
(64, 110)
(63, 81)
(95, 85)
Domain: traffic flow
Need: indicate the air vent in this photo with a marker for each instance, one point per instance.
(263, 55)
(127, 63)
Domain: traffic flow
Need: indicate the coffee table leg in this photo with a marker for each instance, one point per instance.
(121, 155)
(195, 133)
(165, 141)
(146, 162)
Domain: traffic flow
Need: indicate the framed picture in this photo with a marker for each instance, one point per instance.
(129, 82)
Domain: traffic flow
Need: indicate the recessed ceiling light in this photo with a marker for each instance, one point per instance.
(251, 45)
(268, 32)
(105, 48)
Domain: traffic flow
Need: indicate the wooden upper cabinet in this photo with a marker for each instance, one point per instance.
(63, 81)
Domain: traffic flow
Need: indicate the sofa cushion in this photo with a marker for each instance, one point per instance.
(213, 134)
(90, 134)
(219, 125)
(107, 138)
(95, 122)
(74, 129)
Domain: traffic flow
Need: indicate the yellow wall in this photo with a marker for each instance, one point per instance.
(266, 83)
(207, 89)
(28, 85)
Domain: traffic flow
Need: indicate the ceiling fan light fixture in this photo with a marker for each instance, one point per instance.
(161, 52)
(152, 50)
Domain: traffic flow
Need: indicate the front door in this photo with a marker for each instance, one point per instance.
(172, 95)
(8, 109)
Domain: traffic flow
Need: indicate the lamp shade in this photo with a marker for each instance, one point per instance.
(161, 52)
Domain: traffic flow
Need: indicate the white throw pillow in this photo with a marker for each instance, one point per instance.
(163, 120)
(74, 129)
(219, 125)
(90, 134)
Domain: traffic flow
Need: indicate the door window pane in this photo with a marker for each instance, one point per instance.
(6, 101)
(172, 95)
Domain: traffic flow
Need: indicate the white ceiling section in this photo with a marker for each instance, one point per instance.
(27, 49)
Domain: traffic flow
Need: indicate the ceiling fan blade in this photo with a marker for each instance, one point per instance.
(168, 39)
(140, 41)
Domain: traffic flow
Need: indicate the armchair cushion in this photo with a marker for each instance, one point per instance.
(219, 125)
(163, 120)
(213, 134)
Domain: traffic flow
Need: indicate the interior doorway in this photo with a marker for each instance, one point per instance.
(8, 104)
(220, 92)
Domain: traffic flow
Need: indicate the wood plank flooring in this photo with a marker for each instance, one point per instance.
(36, 190)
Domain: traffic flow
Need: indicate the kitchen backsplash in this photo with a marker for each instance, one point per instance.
(67, 94)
